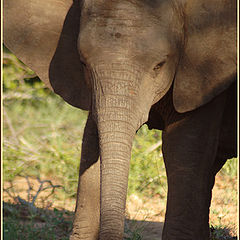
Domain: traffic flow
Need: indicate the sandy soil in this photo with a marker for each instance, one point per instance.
(223, 211)
(145, 215)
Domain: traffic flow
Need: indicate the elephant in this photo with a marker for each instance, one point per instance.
(170, 64)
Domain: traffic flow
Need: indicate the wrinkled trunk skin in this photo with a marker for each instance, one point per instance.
(117, 117)
(115, 157)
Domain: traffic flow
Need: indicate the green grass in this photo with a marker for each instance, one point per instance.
(42, 138)
(21, 223)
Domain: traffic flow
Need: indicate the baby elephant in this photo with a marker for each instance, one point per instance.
(168, 63)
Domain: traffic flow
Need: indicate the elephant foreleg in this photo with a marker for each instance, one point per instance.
(190, 148)
(87, 212)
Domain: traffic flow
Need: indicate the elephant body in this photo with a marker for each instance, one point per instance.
(169, 64)
(190, 180)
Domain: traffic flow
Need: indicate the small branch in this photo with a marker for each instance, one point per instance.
(31, 199)
(28, 145)
(40, 189)
(30, 205)
(7, 190)
(154, 147)
(29, 189)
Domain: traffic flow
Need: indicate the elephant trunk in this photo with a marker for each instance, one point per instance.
(117, 119)
(115, 144)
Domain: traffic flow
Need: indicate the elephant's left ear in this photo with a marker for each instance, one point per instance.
(208, 64)
(43, 34)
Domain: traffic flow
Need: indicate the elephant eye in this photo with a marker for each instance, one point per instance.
(159, 65)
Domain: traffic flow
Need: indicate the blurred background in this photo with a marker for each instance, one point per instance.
(41, 154)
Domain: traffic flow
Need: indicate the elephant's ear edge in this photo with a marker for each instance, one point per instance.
(208, 64)
(32, 31)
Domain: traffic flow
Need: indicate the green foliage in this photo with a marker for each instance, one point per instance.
(133, 230)
(147, 173)
(220, 233)
(133, 235)
(19, 81)
(230, 168)
(42, 134)
(20, 223)
(44, 140)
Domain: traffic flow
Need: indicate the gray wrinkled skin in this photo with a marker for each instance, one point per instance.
(170, 64)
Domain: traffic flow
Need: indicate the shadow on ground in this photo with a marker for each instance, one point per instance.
(146, 229)
(24, 221)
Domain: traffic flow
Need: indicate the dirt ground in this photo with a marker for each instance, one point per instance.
(145, 215)
(223, 211)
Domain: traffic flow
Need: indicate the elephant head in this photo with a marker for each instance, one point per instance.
(116, 59)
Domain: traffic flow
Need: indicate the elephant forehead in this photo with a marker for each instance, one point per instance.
(123, 25)
(116, 13)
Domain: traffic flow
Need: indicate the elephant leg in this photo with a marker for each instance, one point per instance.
(227, 144)
(87, 212)
(217, 165)
(189, 147)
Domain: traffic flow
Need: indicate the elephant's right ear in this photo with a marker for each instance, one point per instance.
(209, 60)
(43, 34)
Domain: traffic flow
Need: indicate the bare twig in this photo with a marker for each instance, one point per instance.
(32, 197)
(27, 144)
(7, 190)
(29, 188)
(30, 205)
(41, 188)
(154, 147)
